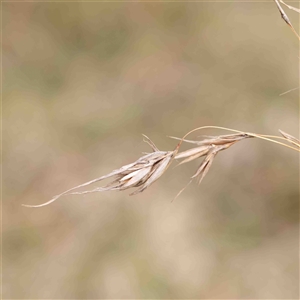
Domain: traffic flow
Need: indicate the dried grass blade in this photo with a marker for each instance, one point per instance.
(290, 138)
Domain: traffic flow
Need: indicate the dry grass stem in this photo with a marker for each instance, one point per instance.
(290, 7)
(284, 15)
(291, 90)
(150, 167)
(290, 138)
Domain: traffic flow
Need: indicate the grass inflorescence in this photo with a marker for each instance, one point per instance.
(147, 169)
(150, 167)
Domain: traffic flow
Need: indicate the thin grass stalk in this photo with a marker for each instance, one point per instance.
(146, 170)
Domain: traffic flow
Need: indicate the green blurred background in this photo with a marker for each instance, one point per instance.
(81, 83)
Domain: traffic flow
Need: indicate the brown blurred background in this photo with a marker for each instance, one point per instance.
(81, 83)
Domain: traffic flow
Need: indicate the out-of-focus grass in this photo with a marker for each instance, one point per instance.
(81, 83)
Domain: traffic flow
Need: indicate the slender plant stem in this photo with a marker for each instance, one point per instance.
(260, 136)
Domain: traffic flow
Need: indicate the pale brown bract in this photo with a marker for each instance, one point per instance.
(209, 148)
(141, 173)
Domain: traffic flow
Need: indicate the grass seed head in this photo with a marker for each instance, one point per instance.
(151, 166)
(139, 174)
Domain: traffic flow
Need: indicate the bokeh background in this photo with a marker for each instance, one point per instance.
(81, 83)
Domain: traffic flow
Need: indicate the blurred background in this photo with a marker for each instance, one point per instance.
(81, 83)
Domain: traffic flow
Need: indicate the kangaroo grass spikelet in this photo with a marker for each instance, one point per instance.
(141, 173)
(150, 167)
(209, 148)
